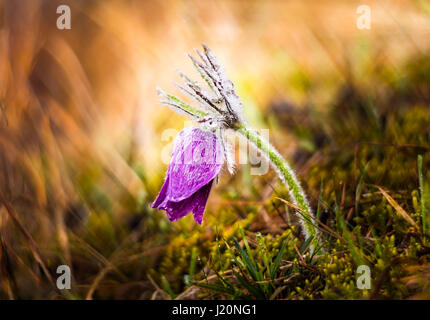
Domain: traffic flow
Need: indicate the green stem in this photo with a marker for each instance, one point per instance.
(287, 176)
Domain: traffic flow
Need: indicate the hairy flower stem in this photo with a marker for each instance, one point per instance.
(287, 176)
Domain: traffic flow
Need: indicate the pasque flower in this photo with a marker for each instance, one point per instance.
(188, 183)
(197, 159)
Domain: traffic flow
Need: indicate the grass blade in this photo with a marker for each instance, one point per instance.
(278, 259)
(250, 266)
(398, 208)
(424, 217)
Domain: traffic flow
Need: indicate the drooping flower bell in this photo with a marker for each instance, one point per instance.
(197, 159)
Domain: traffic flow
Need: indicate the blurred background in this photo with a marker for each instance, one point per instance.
(81, 131)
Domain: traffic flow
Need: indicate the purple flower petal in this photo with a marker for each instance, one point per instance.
(196, 160)
(196, 203)
(162, 194)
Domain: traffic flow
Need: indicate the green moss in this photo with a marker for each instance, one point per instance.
(372, 231)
